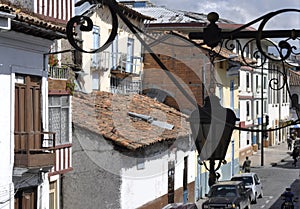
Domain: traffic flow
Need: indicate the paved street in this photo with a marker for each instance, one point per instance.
(276, 174)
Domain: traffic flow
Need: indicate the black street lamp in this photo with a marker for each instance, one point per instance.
(212, 126)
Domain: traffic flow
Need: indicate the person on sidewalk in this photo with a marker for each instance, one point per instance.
(289, 142)
(246, 165)
(295, 155)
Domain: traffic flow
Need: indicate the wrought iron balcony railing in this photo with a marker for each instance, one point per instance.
(133, 87)
(107, 60)
(58, 72)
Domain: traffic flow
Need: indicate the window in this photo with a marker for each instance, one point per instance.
(257, 108)
(53, 195)
(265, 106)
(247, 80)
(129, 58)
(95, 80)
(59, 109)
(96, 45)
(232, 94)
(248, 138)
(248, 109)
(256, 83)
(114, 53)
(265, 82)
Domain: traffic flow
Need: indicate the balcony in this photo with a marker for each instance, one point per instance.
(58, 80)
(34, 150)
(126, 87)
(58, 73)
(118, 62)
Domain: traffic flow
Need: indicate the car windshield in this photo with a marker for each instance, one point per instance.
(246, 179)
(221, 191)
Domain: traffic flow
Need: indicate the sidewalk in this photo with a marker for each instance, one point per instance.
(272, 156)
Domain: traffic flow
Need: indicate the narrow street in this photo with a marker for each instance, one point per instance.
(276, 174)
(275, 180)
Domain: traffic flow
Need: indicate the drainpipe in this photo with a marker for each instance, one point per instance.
(232, 157)
(262, 116)
(279, 118)
(11, 143)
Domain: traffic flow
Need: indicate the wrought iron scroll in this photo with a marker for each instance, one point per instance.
(212, 36)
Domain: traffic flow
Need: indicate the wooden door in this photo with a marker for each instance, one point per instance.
(26, 198)
(171, 180)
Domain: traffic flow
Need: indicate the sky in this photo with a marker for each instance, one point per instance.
(240, 11)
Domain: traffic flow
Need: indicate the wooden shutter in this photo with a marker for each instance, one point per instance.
(28, 114)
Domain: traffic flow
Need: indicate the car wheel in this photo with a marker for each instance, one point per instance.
(261, 194)
(254, 201)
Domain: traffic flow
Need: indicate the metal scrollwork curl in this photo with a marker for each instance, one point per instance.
(284, 47)
(275, 84)
(85, 24)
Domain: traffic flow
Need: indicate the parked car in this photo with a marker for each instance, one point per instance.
(228, 194)
(181, 206)
(251, 181)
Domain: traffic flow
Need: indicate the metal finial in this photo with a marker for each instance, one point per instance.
(213, 17)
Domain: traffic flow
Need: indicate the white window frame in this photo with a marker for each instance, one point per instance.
(61, 107)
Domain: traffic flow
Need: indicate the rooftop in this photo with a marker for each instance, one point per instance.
(33, 24)
(165, 15)
(110, 115)
(294, 78)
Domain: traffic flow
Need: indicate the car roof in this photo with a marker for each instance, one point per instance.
(228, 183)
(244, 174)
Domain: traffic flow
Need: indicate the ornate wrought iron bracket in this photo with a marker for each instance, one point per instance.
(212, 36)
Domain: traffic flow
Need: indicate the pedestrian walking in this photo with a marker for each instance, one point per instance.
(295, 155)
(246, 165)
(289, 142)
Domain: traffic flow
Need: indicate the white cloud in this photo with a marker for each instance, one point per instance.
(240, 11)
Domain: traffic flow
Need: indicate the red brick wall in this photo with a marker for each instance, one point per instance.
(184, 64)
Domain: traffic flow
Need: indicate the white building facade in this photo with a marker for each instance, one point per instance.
(117, 69)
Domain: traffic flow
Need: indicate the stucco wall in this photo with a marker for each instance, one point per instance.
(6, 140)
(106, 176)
(91, 184)
(21, 54)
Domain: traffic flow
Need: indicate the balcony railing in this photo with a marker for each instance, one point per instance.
(34, 150)
(116, 61)
(58, 72)
(126, 87)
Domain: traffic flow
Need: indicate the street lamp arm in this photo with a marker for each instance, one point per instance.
(293, 34)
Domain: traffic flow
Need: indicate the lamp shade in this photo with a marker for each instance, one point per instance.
(212, 126)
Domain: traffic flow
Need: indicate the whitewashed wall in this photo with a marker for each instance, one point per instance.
(6, 139)
(142, 186)
(19, 53)
(102, 19)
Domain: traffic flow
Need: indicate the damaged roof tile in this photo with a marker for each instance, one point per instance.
(107, 114)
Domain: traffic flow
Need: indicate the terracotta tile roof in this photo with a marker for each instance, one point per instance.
(107, 114)
(294, 78)
(33, 24)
